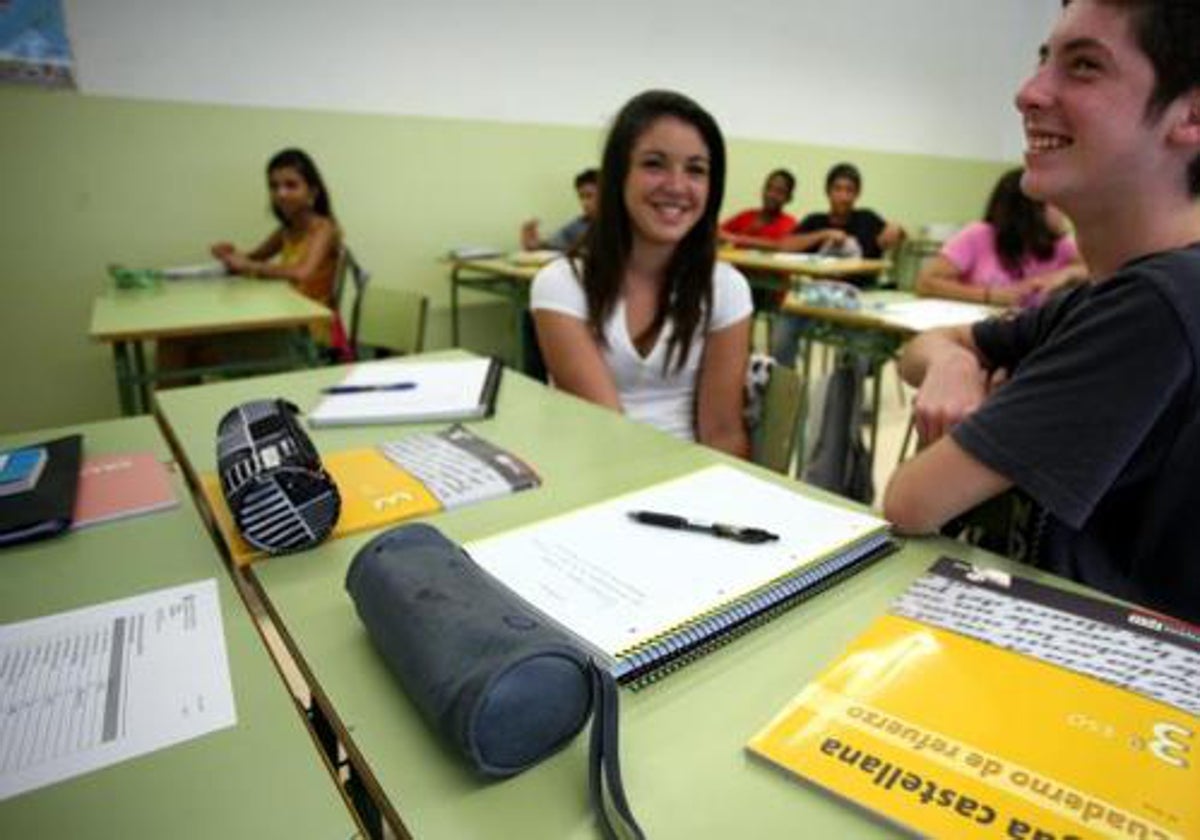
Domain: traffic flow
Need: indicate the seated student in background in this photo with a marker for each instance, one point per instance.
(587, 188)
(303, 250)
(762, 227)
(1099, 419)
(646, 321)
(844, 231)
(1016, 256)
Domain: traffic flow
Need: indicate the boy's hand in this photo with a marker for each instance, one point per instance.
(952, 389)
(529, 235)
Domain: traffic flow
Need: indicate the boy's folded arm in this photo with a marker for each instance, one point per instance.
(938, 484)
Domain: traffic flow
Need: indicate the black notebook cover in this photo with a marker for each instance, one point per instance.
(46, 509)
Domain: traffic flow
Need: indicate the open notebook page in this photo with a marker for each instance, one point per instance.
(616, 583)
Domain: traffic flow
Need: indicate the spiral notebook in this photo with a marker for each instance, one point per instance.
(645, 599)
(411, 392)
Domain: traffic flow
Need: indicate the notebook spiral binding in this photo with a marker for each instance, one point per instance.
(655, 658)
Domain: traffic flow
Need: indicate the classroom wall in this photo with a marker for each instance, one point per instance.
(88, 181)
(162, 152)
(919, 76)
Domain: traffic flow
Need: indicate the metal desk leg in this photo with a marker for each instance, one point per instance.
(876, 371)
(126, 386)
(806, 402)
(454, 307)
(310, 356)
(521, 363)
(144, 382)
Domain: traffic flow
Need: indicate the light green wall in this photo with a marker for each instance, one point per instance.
(85, 181)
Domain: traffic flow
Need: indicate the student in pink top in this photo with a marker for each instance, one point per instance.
(1016, 256)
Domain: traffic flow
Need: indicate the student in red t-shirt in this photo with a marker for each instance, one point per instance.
(760, 226)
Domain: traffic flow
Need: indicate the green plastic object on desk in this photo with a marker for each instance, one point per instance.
(134, 278)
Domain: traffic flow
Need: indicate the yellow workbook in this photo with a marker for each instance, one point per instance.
(416, 475)
(987, 705)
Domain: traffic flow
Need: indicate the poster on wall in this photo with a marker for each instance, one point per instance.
(33, 43)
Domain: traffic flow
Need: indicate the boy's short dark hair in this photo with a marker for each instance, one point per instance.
(1168, 34)
(848, 171)
(787, 177)
(591, 175)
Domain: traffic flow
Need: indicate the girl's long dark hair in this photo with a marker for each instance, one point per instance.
(299, 160)
(1019, 223)
(686, 297)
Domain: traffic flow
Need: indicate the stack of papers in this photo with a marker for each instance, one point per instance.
(534, 258)
(928, 313)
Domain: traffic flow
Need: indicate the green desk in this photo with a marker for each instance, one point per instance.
(771, 273)
(261, 778)
(128, 318)
(685, 768)
(792, 265)
(498, 276)
(865, 332)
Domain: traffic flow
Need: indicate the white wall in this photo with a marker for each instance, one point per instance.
(925, 76)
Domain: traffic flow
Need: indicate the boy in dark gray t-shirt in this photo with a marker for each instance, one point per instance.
(1091, 404)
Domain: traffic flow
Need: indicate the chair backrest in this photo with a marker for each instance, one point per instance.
(777, 432)
(392, 320)
(350, 273)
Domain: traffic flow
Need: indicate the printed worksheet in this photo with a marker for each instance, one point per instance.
(84, 689)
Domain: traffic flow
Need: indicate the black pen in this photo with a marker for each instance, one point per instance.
(366, 389)
(737, 533)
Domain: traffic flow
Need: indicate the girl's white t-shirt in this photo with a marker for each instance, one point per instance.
(664, 399)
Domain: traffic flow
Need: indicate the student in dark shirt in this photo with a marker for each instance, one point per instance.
(587, 189)
(1099, 419)
(844, 231)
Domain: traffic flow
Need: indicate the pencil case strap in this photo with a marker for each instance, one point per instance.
(604, 760)
(499, 683)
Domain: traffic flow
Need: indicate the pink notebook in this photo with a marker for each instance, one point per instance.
(120, 486)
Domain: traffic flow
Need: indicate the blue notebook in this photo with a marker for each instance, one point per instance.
(20, 469)
(45, 509)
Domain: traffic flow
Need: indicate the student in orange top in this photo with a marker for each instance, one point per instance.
(303, 250)
(307, 241)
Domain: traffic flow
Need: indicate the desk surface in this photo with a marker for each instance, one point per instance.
(229, 783)
(682, 739)
(800, 265)
(873, 314)
(500, 266)
(201, 307)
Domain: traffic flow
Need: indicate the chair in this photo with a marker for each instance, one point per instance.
(391, 322)
(775, 436)
(348, 269)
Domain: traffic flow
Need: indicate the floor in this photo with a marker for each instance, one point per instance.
(894, 412)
